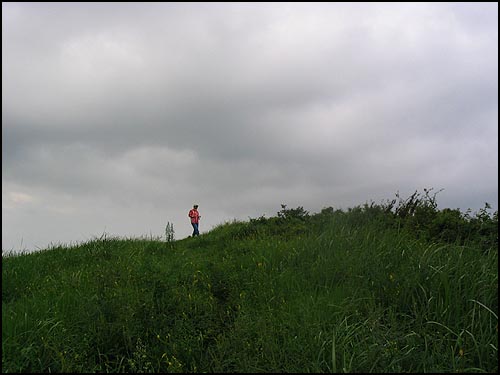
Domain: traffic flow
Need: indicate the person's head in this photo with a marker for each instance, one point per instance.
(195, 206)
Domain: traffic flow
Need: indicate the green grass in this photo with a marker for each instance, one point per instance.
(331, 292)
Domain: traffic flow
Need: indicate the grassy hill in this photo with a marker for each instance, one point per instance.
(395, 287)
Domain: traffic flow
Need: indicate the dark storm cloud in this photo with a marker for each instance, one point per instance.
(147, 107)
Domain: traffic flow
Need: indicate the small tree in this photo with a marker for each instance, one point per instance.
(169, 232)
(293, 213)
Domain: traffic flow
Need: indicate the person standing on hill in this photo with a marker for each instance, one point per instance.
(195, 219)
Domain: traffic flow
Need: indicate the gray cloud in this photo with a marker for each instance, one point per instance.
(119, 116)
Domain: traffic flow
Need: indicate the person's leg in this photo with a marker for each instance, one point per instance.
(196, 229)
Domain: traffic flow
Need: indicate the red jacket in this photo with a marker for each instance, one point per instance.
(195, 216)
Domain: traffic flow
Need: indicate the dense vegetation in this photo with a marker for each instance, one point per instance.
(392, 287)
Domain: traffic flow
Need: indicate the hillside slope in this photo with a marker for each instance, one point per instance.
(355, 291)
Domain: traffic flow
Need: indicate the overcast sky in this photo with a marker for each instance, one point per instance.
(118, 117)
